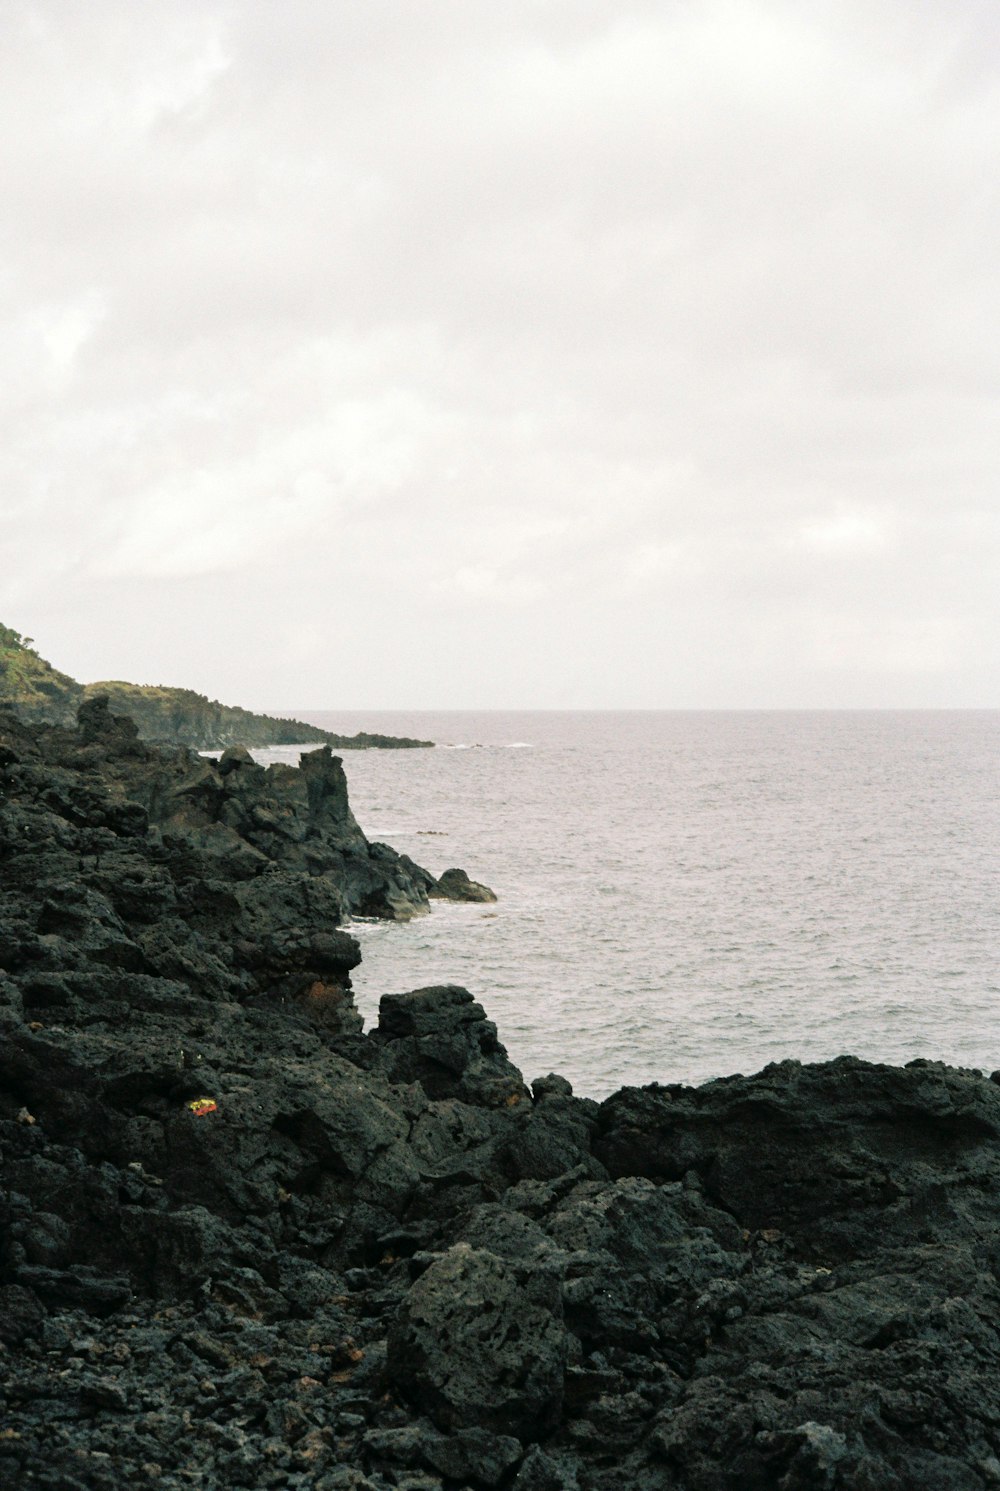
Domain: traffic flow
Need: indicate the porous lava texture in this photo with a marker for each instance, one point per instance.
(245, 1244)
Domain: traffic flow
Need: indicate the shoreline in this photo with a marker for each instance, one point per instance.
(247, 1244)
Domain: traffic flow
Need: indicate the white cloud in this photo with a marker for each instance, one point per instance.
(911, 646)
(63, 329)
(479, 583)
(652, 561)
(845, 533)
(214, 521)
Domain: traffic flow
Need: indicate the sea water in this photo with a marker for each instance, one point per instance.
(686, 895)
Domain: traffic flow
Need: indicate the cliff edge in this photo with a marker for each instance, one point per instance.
(41, 694)
(28, 684)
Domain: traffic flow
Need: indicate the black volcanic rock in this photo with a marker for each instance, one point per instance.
(243, 1243)
(247, 818)
(440, 1037)
(455, 885)
(478, 1342)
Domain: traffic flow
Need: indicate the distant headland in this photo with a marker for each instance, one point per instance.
(40, 694)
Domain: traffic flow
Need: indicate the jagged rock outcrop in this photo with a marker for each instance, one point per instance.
(248, 819)
(455, 885)
(243, 1243)
(440, 1037)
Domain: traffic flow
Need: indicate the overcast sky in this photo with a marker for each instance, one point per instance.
(543, 353)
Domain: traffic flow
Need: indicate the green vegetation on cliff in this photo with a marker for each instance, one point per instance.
(39, 693)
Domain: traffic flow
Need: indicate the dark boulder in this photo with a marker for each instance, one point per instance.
(466, 1455)
(441, 1038)
(842, 1157)
(544, 1472)
(478, 1343)
(552, 1135)
(96, 725)
(455, 885)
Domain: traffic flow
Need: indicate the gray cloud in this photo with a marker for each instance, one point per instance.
(545, 354)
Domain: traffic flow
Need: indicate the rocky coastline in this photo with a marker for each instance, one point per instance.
(245, 1243)
(40, 694)
(175, 716)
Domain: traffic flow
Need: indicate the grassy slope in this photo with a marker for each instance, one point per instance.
(34, 688)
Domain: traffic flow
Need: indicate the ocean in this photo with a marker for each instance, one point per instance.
(687, 895)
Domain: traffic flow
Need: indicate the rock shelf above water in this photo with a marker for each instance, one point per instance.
(244, 1243)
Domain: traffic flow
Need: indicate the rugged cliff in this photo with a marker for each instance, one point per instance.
(181, 717)
(243, 1243)
(31, 686)
(39, 693)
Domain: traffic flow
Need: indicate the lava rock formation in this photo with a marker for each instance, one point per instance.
(245, 1244)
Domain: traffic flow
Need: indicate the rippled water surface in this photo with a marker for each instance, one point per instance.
(685, 895)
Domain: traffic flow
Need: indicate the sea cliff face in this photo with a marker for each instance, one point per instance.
(173, 716)
(244, 1243)
(40, 694)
